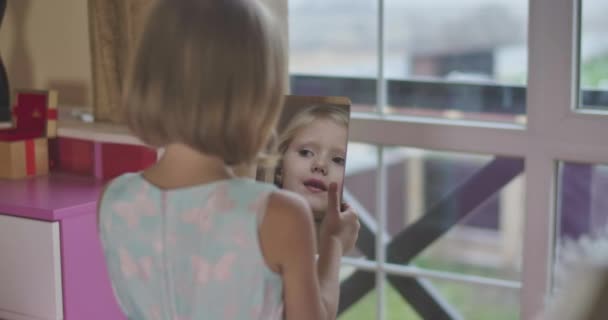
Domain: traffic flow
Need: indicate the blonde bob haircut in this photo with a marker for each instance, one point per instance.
(338, 115)
(210, 74)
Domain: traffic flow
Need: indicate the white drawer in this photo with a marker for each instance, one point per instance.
(30, 270)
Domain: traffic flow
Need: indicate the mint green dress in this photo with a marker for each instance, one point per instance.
(190, 253)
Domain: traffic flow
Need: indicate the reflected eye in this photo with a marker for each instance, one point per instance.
(338, 160)
(305, 153)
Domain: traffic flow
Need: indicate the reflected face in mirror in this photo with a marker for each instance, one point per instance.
(313, 149)
(313, 160)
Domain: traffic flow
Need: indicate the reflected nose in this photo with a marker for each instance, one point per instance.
(320, 167)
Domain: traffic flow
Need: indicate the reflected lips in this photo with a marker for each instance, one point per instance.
(315, 185)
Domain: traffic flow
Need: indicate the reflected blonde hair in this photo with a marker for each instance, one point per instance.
(210, 74)
(339, 115)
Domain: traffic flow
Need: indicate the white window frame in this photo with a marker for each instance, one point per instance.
(556, 131)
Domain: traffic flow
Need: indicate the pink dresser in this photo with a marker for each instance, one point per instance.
(51, 262)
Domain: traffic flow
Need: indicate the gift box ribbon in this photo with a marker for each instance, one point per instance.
(30, 157)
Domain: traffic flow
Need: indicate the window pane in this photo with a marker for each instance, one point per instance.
(396, 307)
(456, 212)
(465, 301)
(457, 59)
(360, 192)
(357, 287)
(365, 307)
(594, 55)
(453, 60)
(333, 49)
(452, 212)
(582, 203)
(581, 231)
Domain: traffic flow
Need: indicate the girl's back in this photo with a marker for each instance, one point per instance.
(189, 253)
(207, 84)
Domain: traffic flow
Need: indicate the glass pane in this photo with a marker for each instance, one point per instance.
(363, 308)
(581, 237)
(360, 192)
(333, 49)
(582, 203)
(463, 300)
(594, 55)
(457, 59)
(456, 212)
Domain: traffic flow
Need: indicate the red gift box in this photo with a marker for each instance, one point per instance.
(74, 155)
(104, 160)
(24, 146)
(23, 158)
(34, 116)
(122, 158)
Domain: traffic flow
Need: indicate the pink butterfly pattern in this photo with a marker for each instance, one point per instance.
(132, 268)
(159, 246)
(107, 223)
(204, 271)
(230, 312)
(219, 201)
(223, 223)
(200, 217)
(256, 205)
(132, 211)
(155, 313)
(241, 238)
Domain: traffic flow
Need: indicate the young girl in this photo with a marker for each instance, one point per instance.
(186, 239)
(313, 150)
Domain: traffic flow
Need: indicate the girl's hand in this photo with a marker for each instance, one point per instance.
(341, 224)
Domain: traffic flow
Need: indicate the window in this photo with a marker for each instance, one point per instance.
(431, 114)
(442, 59)
(594, 55)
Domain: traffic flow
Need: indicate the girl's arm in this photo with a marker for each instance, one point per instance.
(287, 236)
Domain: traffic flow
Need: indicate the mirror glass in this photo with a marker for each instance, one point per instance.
(312, 137)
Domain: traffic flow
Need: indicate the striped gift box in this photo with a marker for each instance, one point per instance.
(23, 158)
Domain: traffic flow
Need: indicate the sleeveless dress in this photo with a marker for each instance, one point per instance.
(188, 253)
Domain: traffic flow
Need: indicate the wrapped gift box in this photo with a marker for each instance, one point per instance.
(73, 155)
(121, 158)
(24, 146)
(104, 160)
(34, 116)
(23, 158)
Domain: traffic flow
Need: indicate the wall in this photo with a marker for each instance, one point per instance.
(45, 44)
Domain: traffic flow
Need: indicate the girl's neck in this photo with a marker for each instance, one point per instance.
(182, 166)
